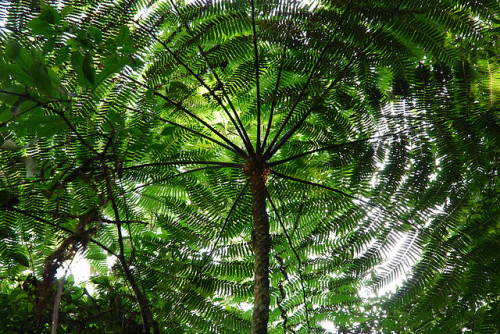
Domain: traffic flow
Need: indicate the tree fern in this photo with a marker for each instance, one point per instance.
(270, 153)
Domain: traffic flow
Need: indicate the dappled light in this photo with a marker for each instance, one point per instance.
(249, 166)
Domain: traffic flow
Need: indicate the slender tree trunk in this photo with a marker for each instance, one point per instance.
(261, 247)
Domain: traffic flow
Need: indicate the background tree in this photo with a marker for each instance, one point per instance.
(218, 148)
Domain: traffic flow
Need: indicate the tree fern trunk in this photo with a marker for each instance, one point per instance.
(261, 247)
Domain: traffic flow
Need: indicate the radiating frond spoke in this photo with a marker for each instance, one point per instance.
(223, 228)
(146, 314)
(257, 76)
(185, 163)
(191, 114)
(241, 131)
(199, 134)
(272, 147)
(333, 147)
(207, 259)
(245, 137)
(176, 175)
(309, 78)
(340, 192)
(299, 261)
(273, 104)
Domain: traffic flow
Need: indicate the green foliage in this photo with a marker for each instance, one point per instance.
(111, 308)
(125, 127)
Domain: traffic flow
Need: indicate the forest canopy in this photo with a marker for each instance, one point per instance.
(250, 166)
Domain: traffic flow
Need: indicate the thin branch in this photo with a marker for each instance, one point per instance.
(2, 91)
(70, 125)
(275, 99)
(57, 112)
(298, 260)
(311, 74)
(185, 162)
(89, 296)
(108, 221)
(283, 295)
(332, 147)
(29, 214)
(179, 106)
(147, 316)
(127, 217)
(241, 132)
(21, 113)
(257, 76)
(217, 78)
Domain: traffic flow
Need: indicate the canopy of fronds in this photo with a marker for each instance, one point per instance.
(126, 125)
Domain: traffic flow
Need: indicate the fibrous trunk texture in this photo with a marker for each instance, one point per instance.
(261, 248)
